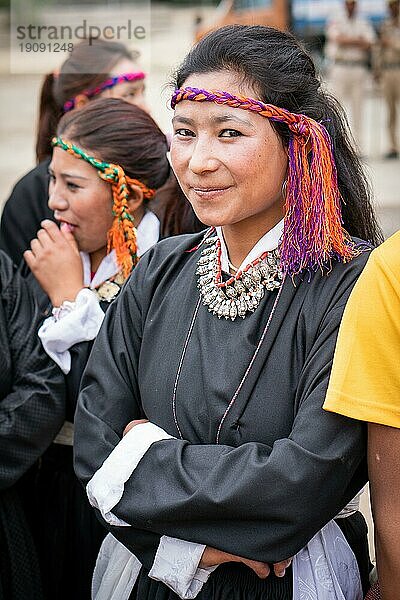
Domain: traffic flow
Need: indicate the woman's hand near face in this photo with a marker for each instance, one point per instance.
(55, 261)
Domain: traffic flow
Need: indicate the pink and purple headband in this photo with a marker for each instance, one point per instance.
(313, 233)
(106, 85)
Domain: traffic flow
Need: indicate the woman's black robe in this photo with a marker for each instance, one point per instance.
(32, 410)
(24, 210)
(65, 530)
(283, 468)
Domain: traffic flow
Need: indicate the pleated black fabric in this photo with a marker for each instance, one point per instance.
(19, 570)
(32, 410)
(65, 528)
(231, 581)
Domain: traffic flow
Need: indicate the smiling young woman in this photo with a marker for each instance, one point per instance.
(218, 351)
(231, 166)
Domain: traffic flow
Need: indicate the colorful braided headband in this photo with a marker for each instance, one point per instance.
(106, 85)
(122, 235)
(313, 234)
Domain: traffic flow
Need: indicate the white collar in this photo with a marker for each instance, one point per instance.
(148, 233)
(107, 268)
(269, 241)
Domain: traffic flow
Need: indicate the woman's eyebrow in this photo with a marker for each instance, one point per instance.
(181, 119)
(74, 176)
(214, 119)
(227, 118)
(51, 172)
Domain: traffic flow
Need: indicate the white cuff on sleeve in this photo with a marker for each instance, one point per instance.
(106, 487)
(81, 323)
(176, 565)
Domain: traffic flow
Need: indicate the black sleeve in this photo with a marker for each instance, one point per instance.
(256, 501)
(102, 417)
(79, 357)
(32, 410)
(23, 212)
(122, 323)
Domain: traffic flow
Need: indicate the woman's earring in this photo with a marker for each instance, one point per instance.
(284, 188)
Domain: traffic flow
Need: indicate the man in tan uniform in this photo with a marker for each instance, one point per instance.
(390, 71)
(349, 40)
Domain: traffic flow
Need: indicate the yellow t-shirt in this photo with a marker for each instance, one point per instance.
(365, 378)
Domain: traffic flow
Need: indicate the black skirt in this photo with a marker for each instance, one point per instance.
(235, 581)
(19, 567)
(66, 531)
(231, 581)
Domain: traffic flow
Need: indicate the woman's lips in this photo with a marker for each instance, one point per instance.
(67, 227)
(208, 193)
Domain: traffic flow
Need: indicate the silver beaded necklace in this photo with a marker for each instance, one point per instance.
(242, 293)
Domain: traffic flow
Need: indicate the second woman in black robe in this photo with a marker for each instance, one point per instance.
(32, 411)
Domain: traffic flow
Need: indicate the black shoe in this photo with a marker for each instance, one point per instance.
(393, 154)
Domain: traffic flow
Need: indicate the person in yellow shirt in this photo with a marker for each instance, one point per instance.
(365, 385)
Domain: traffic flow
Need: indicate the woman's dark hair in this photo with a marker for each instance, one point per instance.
(120, 133)
(281, 73)
(88, 65)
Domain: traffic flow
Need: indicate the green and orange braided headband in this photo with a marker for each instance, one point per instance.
(313, 234)
(122, 235)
